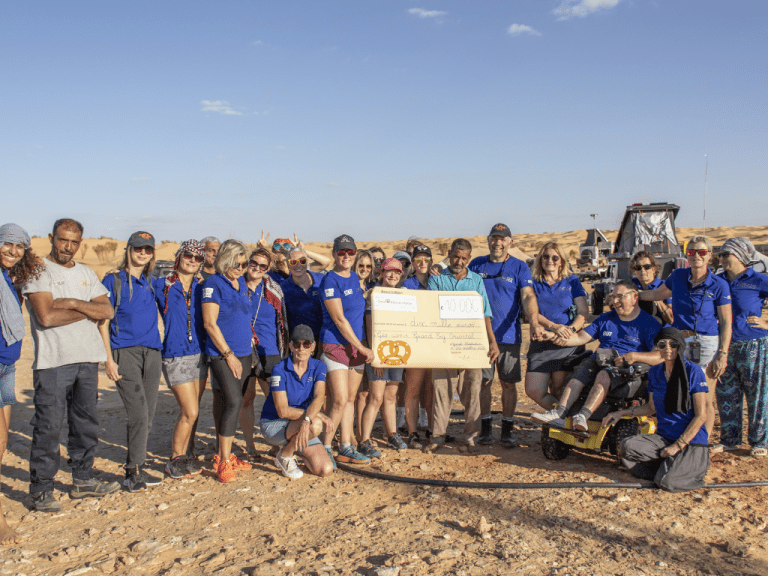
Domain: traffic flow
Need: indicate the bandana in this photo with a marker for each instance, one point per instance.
(678, 397)
(11, 318)
(742, 248)
(192, 246)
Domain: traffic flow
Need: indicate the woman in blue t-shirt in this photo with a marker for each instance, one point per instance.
(646, 277)
(301, 292)
(341, 336)
(562, 310)
(18, 264)
(676, 458)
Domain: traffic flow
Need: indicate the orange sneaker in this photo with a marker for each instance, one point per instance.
(225, 473)
(215, 463)
(238, 464)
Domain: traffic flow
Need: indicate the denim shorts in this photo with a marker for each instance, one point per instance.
(183, 369)
(390, 374)
(274, 432)
(7, 385)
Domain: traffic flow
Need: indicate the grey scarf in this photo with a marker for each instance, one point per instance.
(11, 319)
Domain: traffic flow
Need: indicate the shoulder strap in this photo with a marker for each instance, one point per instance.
(118, 288)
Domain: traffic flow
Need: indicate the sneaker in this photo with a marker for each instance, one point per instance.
(333, 460)
(150, 479)
(288, 466)
(134, 481)
(215, 463)
(193, 465)
(352, 456)
(423, 419)
(224, 472)
(396, 442)
(547, 417)
(579, 422)
(414, 441)
(45, 502)
(177, 468)
(717, 448)
(367, 449)
(238, 464)
(92, 487)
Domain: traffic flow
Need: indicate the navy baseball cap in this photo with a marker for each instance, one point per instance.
(139, 239)
(344, 242)
(500, 230)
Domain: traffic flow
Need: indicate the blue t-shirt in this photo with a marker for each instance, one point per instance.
(697, 306)
(624, 335)
(747, 292)
(10, 354)
(264, 319)
(352, 302)
(277, 276)
(184, 332)
(503, 283)
(135, 321)
(413, 284)
(652, 286)
(300, 391)
(447, 282)
(557, 301)
(234, 318)
(671, 426)
(304, 307)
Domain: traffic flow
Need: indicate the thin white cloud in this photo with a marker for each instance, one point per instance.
(220, 106)
(517, 29)
(572, 8)
(421, 13)
(140, 179)
(333, 184)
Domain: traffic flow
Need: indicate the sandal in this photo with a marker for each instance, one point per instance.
(717, 448)
(759, 452)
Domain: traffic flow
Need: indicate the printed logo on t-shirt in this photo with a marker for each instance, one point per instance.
(274, 381)
(329, 292)
(607, 334)
(85, 283)
(348, 292)
(207, 292)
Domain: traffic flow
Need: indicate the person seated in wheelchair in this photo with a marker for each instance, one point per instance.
(626, 329)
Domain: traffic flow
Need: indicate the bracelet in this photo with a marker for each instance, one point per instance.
(227, 354)
(680, 443)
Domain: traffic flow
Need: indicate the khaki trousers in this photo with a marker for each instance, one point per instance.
(446, 383)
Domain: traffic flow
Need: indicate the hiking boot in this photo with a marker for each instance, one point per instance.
(486, 432)
(92, 488)
(367, 449)
(45, 502)
(414, 441)
(288, 466)
(177, 468)
(351, 456)
(396, 442)
(549, 417)
(579, 422)
(134, 480)
(507, 435)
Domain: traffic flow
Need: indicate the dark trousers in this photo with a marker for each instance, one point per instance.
(230, 392)
(684, 471)
(140, 368)
(73, 388)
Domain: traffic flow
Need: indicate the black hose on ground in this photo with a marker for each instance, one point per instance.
(525, 485)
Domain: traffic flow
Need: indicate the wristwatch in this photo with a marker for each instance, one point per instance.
(308, 419)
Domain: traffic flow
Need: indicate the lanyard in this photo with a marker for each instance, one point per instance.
(188, 299)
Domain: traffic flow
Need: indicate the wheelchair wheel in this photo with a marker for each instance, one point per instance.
(621, 430)
(553, 449)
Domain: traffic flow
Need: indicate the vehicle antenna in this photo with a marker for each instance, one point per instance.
(706, 170)
(594, 225)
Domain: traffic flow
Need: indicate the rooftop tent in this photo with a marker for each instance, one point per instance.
(594, 237)
(648, 227)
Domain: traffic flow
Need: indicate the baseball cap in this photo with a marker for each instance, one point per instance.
(421, 249)
(139, 239)
(500, 230)
(344, 242)
(302, 332)
(392, 264)
(402, 254)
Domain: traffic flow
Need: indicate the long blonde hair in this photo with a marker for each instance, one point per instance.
(565, 267)
(146, 272)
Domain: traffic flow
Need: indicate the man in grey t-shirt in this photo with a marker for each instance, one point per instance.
(64, 304)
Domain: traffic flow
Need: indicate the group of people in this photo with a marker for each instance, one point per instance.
(276, 318)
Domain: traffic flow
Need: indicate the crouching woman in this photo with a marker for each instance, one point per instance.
(291, 417)
(676, 458)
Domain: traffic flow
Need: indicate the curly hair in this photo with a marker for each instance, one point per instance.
(27, 268)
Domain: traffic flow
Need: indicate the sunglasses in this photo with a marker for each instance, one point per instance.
(345, 252)
(422, 260)
(191, 256)
(306, 344)
(639, 267)
(144, 250)
(673, 344)
(241, 266)
(405, 263)
(701, 252)
(262, 267)
(378, 260)
(551, 257)
(724, 254)
(293, 262)
(365, 266)
(620, 296)
(281, 245)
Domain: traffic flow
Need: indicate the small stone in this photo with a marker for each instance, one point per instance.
(482, 526)
(105, 566)
(388, 571)
(254, 509)
(186, 561)
(394, 509)
(448, 553)
(118, 530)
(126, 560)
(142, 546)
(661, 564)
(620, 498)
(425, 467)
(78, 571)
(163, 506)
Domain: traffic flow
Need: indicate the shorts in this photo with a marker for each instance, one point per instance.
(587, 371)
(341, 357)
(274, 432)
(7, 385)
(183, 369)
(709, 347)
(266, 363)
(390, 374)
(508, 364)
(548, 357)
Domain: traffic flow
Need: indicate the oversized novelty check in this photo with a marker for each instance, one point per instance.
(428, 329)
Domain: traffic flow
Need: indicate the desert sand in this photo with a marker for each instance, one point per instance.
(348, 524)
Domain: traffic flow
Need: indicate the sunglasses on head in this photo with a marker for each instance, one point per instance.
(293, 262)
(144, 250)
(281, 245)
(254, 264)
(638, 267)
(191, 256)
(303, 344)
(345, 252)
(674, 344)
(692, 252)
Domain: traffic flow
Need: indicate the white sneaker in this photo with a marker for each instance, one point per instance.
(548, 417)
(400, 418)
(423, 419)
(579, 422)
(288, 466)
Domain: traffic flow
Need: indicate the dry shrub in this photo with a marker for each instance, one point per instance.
(83, 250)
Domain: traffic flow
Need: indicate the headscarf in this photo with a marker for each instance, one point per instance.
(192, 246)
(743, 249)
(11, 319)
(678, 395)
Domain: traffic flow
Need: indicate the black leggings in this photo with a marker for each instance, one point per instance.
(230, 391)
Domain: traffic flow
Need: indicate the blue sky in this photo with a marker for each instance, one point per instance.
(380, 119)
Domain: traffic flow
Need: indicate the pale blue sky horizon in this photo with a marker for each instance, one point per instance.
(380, 119)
